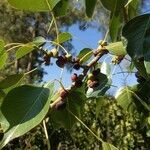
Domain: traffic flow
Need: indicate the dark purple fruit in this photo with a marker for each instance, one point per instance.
(63, 93)
(74, 77)
(46, 59)
(141, 59)
(78, 83)
(61, 61)
(76, 66)
(96, 72)
(60, 105)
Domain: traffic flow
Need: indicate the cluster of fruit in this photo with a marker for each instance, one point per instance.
(62, 100)
(93, 80)
(61, 60)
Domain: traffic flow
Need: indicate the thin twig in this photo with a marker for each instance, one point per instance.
(99, 139)
(54, 19)
(47, 137)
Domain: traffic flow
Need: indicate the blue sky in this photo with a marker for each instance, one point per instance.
(83, 39)
(89, 38)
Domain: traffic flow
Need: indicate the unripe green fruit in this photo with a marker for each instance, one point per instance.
(68, 57)
(102, 43)
(90, 76)
(50, 54)
(89, 82)
(54, 52)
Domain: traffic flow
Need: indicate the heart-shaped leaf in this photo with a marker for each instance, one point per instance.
(23, 108)
(136, 31)
(63, 37)
(10, 81)
(24, 50)
(61, 8)
(63, 118)
(117, 48)
(90, 6)
(107, 146)
(85, 54)
(34, 5)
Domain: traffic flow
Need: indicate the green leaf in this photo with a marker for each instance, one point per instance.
(106, 69)
(24, 108)
(147, 66)
(148, 120)
(141, 68)
(10, 80)
(90, 6)
(124, 98)
(114, 27)
(107, 146)
(2, 44)
(117, 48)
(2, 95)
(61, 8)
(63, 118)
(34, 5)
(63, 37)
(24, 50)
(115, 6)
(132, 98)
(133, 8)
(39, 40)
(137, 33)
(85, 54)
(3, 54)
(3, 59)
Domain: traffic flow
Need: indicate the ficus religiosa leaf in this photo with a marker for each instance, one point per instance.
(24, 108)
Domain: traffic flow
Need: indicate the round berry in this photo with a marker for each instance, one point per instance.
(50, 54)
(96, 72)
(74, 77)
(76, 66)
(78, 83)
(54, 52)
(68, 57)
(63, 93)
(141, 59)
(46, 59)
(89, 82)
(90, 76)
(60, 105)
(61, 61)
